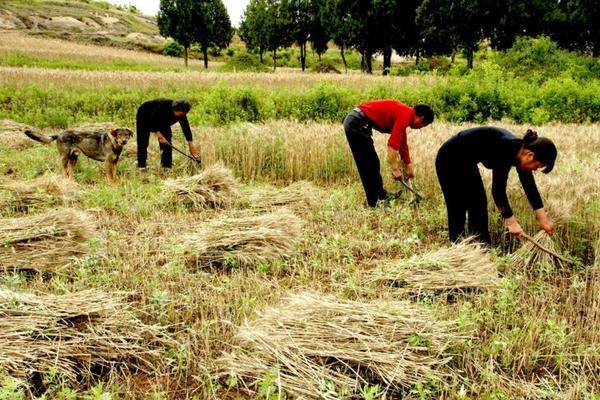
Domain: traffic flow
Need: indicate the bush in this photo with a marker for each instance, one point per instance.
(173, 49)
(326, 65)
(244, 61)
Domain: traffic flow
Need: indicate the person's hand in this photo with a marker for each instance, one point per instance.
(194, 151)
(547, 225)
(410, 171)
(513, 227)
(161, 138)
(397, 174)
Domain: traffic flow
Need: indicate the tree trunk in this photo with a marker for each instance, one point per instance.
(274, 59)
(368, 55)
(303, 55)
(387, 60)
(344, 58)
(417, 56)
(319, 56)
(470, 57)
(185, 55)
(453, 56)
(205, 54)
(260, 54)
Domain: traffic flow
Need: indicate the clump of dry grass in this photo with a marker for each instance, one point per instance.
(462, 266)
(44, 242)
(244, 241)
(215, 187)
(12, 135)
(532, 257)
(299, 196)
(46, 191)
(74, 333)
(311, 342)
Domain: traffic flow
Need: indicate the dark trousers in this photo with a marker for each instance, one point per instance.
(464, 195)
(143, 138)
(360, 138)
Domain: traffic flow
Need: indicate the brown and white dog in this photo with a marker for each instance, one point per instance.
(100, 146)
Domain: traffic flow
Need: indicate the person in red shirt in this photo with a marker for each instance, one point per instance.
(386, 116)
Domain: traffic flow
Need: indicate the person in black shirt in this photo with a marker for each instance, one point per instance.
(498, 150)
(158, 116)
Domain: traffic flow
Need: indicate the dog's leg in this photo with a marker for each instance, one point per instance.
(71, 167)
(111, 172)
(65, 165)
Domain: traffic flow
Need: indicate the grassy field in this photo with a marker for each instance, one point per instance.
(536, 336)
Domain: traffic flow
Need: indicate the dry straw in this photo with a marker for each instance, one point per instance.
(316, 345)
(215, 187)
(12, 135)
(73, 333)
(532, 257)
(462, 266)
(244, 241)
(21, 196)
(299, 196)
(44, 242)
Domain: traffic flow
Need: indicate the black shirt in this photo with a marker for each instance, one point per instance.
(157, 115)
(496, 149)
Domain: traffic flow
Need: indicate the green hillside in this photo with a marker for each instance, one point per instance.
(87, 21)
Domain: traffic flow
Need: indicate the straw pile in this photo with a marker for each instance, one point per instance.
(244, 241)
(42, 192)
(462, 266)
(312, 341)
(12, 135)
(215, 187)
(44, 242)
(531, 257)
(299, 196)
(73, 333)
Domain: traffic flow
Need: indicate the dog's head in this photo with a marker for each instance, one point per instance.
(121, 135)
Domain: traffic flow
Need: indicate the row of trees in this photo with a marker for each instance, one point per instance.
(409, 27)
(416, 27)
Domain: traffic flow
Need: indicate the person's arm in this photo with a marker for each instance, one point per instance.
(398, 148)
(187, 132)
(499, 180)
(533, 195)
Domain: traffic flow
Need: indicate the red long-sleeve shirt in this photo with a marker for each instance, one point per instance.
(391, 116)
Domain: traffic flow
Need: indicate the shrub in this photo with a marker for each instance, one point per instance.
(173, 49)
(244, 61)
(326, 65)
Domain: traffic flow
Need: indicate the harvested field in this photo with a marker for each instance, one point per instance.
(46, 191)
(12, 135)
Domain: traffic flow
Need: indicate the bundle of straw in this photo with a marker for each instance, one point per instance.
(530, 256)
(215, 187)
(12, 135)
(299, 196)
(41, 192)
(312, 341)
(245, 241)
(73, 333)
(44, 242)
(462, 266)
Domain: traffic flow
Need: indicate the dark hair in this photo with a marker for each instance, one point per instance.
(181, 105)
(425, 112)
(543, 149)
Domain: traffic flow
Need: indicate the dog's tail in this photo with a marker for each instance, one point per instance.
(38, 137)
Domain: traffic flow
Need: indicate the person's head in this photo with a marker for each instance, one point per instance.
(423, 116)
(537, 152)
(181, 107)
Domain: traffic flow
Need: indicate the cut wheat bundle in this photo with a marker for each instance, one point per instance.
(215, 187)
(244, 241)
(12, 135)
(462, 266)
(299, 197)
(44, 242)
(539, 253)
(21, 196)
(74, 333)
(313, 341)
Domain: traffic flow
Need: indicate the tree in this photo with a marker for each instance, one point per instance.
(319, 32)
(277, 26)
(340, 26)
(448, 25)
(252, 27)
(195, 21)
(301, 20)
